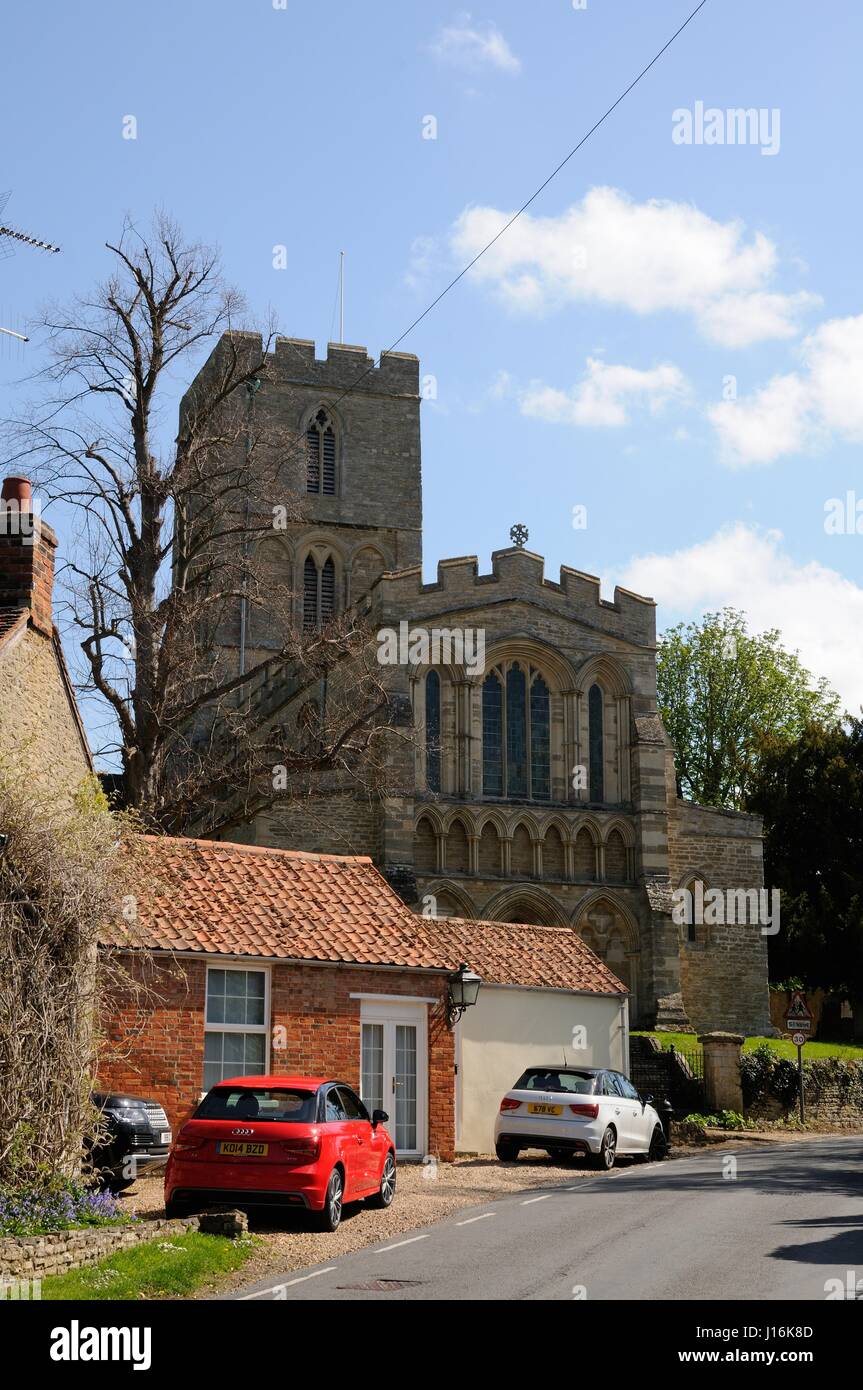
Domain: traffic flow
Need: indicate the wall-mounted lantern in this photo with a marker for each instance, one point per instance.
(464, 986)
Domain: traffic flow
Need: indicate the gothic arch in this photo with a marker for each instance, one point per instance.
(273, 567)
(321, 547)
(425, 845)
(695, 933)
(496, 819)
(558, 672)
(441, 888)
(432, 814)
(457, 847)
(605, 897)
(591, 825)
(605, 671)
(689, 876)
(625, 829)
(366, 564)
(525, 903)
(529, 822)
(562, 826)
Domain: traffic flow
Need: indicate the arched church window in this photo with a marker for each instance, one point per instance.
(321, 455)
(319, 592)
(515, 733)
(595, 743)
(433, 731)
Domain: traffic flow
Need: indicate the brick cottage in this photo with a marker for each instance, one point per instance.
(250, 959)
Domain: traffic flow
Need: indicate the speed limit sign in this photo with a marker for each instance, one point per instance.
(799, 1039)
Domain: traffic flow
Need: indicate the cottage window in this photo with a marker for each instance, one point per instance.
(235, 1021)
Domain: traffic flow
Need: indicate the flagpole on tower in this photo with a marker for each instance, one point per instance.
(341, 296)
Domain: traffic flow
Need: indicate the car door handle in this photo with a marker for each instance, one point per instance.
(617, 1110)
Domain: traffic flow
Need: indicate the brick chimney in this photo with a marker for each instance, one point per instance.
(27, 548)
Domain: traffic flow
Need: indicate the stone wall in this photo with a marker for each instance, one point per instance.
(36, 1257)
(37, 719)
(832, 1094)
(723, 972)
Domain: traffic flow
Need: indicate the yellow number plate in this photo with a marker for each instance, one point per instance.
(251, 1150)
(536, 1109)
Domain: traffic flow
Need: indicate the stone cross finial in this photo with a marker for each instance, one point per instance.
(518, 534)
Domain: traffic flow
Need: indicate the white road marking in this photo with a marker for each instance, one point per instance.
(399, 1244)
(530, 1200)
(262, 1293)
(471, 1219)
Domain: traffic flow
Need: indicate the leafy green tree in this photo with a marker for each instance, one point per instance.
(721, 690)
(810, 793)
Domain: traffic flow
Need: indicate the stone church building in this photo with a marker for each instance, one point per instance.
(543, 785)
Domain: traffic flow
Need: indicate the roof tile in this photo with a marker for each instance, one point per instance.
(221, 898)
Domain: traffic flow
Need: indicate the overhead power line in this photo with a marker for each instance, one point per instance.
(516, 215)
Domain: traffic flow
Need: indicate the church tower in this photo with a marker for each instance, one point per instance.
(353, 467)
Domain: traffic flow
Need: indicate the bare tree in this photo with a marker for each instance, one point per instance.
(167, 525)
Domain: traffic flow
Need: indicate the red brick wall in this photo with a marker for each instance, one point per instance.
(154, 1044)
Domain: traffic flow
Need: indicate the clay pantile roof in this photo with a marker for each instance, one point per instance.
(221, 898)
(516, 953)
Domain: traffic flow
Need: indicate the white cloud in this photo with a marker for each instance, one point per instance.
(760, 428)
(799, 410)
(424, 254)
(738, 320)
(605, 394)
(817, 610)
(472, 47)
(646, 257)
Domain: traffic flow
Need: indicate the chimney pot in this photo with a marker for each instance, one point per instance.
(17, 490)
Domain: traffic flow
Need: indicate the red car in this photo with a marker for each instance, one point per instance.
(291, 1141)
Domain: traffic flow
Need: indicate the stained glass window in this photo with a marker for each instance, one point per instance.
(540, 769)
(433, 731)
(516, 733)
(492, 744)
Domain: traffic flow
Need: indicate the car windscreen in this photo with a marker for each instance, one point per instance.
(579, 1083)
(282, 1103)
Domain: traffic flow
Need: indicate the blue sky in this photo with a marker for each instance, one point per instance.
(586, 363)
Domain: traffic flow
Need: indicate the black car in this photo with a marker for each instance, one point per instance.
(137, 1136)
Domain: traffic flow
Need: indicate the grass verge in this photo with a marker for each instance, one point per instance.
(783, 1047)
(169, 1268)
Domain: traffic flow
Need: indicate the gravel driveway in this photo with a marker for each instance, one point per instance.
(425, 1193)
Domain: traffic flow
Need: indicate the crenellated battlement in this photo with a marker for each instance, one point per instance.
(294, 360)
(518, 574)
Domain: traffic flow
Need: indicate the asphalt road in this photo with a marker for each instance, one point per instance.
(790, 1219)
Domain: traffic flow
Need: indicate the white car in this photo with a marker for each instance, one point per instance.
(571, 1110)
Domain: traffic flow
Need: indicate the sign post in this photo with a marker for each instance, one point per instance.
(798, 1021)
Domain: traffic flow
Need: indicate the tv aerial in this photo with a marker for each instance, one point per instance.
(8, 237)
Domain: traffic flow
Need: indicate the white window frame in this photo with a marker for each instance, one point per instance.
(264, 1027)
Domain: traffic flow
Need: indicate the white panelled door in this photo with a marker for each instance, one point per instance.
(394, 1067)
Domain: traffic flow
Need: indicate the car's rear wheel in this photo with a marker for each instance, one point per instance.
(506, 1151)
(387, 1190)
(604, 1160)
(329, 1218)
(658, 1145)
